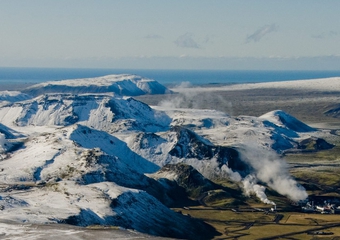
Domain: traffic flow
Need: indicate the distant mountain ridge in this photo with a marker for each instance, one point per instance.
(121, 84)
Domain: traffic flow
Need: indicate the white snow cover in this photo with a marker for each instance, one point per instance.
(13, 96)
(122, 84)
(85, 159)
(102, 112)
(322, 84)
(92, 204)
(67, 175)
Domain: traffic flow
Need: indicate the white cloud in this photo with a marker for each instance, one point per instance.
(261, 32)
(186, 41)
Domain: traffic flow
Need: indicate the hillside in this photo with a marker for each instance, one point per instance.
(105, 159)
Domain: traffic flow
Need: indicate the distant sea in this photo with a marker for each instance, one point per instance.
(28, 76)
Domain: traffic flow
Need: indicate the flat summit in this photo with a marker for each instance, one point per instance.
(121, 84)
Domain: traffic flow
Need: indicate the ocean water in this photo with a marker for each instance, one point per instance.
(195, 77)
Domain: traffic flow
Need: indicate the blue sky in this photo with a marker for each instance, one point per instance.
(177, 34)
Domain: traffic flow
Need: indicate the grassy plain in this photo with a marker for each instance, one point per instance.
(260, 225)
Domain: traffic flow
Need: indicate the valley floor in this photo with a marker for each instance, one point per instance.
(262, 225)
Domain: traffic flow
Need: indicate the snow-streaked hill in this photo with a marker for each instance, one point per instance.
(122, 84)
(282, 119)
(101, 112)
(103, 203)
(71, 175)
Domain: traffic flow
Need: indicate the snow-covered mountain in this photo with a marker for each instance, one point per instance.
(99, 158)
(13, 96)
(122, 84)
(84, 176)
(102, 112)
(282, 119)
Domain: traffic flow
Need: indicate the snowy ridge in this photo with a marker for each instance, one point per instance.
(76, 169)
(90, 138)
(13, 96)
(102, 112)
(101, 204)
(122, 84)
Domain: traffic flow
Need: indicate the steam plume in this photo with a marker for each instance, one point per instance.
(269, 168)
(211, 169)
(250, 186)
(196, 98)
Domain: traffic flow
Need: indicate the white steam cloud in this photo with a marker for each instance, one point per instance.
(269, 168)
(186, 99)
(250, 186)
(196, 98)
(211, 169)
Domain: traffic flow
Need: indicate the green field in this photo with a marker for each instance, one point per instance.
(259, 225)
